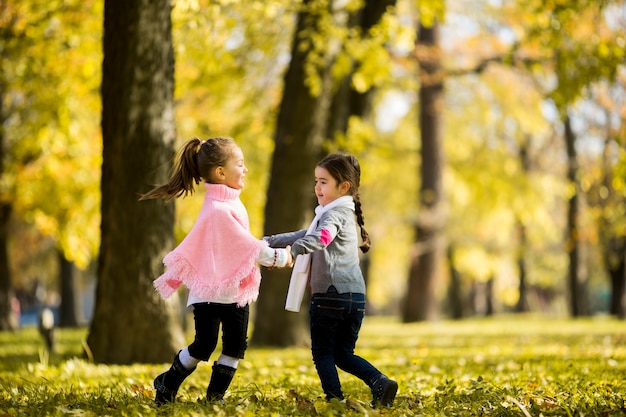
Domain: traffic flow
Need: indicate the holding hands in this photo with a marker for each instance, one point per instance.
(282, 258)
(290, 260)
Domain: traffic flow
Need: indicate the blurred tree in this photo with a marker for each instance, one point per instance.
(614, 222)
(13, 41)
(514, 77)
(579, 45)
(607, 194)
(229, 58)
(130, 323)
(577, 277)
(522, 231)
(46, 129)
(70, 314)
(361, 65)
(504, 188)
(8, 317)
(612, 193)
(300, 132)
(318, 99)
(429, 249)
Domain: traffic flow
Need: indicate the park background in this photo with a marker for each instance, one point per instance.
(491, 137)
(492, 141)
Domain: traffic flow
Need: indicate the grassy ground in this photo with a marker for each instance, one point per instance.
(518, 366)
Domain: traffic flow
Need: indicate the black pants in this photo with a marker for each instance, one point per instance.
(234, 322)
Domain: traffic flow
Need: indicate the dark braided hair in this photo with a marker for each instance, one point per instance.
(194, 163)
(346, 168)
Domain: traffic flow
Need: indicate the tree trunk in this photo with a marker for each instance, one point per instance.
(490, 310)
(300, 131)
(8, 317)
(348, 102)
(482, 298)
(425, 267)
(8, 320)
(131, 324)
(613, 242)
(572, 242)
(522, 302)
(455, 289)
(617, 273)
(71, 306)
(304, 121)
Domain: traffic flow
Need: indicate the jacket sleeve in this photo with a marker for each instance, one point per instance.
(283, 239)
(329, 226)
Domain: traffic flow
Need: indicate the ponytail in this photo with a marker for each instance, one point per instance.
(184, 176)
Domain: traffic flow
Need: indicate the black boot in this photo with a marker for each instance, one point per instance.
(221, 378)
(384, 391)
(167, 384)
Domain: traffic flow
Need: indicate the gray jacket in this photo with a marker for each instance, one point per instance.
(334, 249)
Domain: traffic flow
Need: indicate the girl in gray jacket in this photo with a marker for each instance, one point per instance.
(328, 253)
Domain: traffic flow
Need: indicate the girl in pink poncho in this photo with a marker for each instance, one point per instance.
(216, 261)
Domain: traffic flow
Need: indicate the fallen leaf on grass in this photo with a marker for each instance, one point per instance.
(355, 405)
(141, 390)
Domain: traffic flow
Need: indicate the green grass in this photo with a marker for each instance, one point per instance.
(515, 366)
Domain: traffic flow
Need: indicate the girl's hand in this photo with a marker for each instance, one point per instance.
(290, 259)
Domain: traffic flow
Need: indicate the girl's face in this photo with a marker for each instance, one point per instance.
(326, 188)
(233, 172)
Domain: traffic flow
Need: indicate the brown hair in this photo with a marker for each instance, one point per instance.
(342, 168)
(194, 163)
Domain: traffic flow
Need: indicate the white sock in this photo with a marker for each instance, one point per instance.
(228, 361)
(188, 361)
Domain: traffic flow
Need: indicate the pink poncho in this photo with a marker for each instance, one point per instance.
(218, 256)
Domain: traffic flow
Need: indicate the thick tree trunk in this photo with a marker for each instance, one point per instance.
(131, 324)
(425, 267)
(299, 135)
(8, 318)
(304, 121)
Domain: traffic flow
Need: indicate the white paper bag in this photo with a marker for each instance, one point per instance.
(297, 284)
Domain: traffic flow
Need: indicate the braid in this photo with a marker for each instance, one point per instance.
(361, 222)
(356, 178)
(184, 175)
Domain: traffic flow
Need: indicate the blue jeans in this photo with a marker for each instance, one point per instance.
(335, 323)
